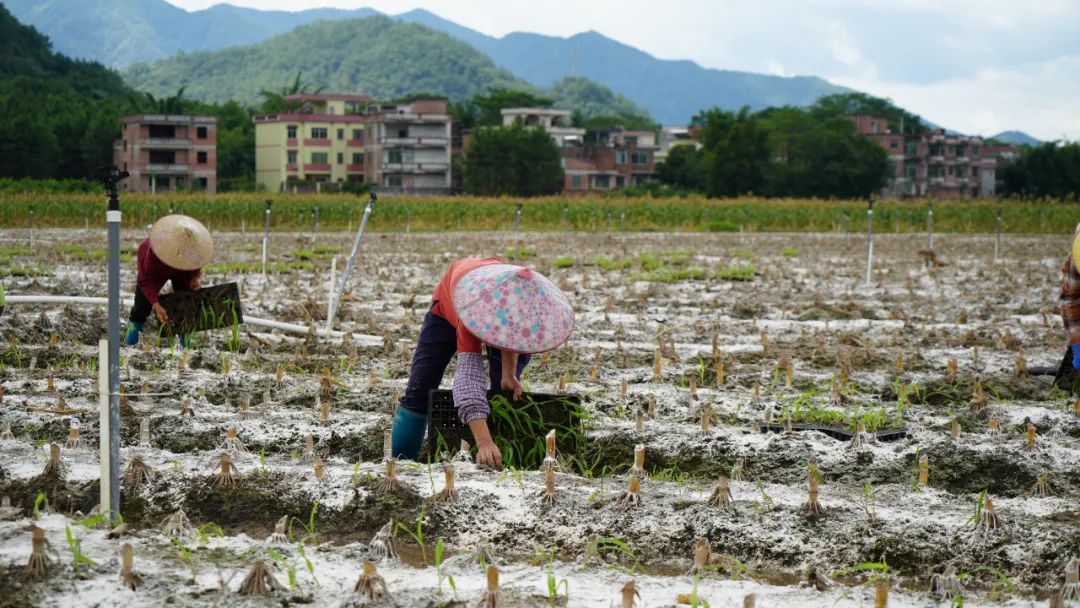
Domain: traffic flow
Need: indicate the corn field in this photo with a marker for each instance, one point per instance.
(587, 214)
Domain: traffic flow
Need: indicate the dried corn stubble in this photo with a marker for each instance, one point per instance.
(629, 595)
(177, 525)
(309, 446)
(924, 470)
(861, 438)
(1070, 591)
(226, 477)
(260, 580)
(994, 426)
(706, 417)
(953, 370)
(702, 551)
(186, 409)
(37, 566)
(547, 497)
(320, 468)
(73, 442)
(1042, 487)
(632, 496)
(281, 531)
(550, 456)
(750, 601)
(738, 470)
(1029, 438)
(954, 429)
(449, 492)
(492, 597)
(388, 445)
(721, 494)
(639, 460)
(979, 399)
(988, 517)
(693, 388)
(651, 411)
(881, 594)
(383, 542)
(463, 453)
(128, 576)
(232, 443)
(946, 585)
(137, 473)
(371, 585)
(54, 467)
(389, 483)
(812, 506)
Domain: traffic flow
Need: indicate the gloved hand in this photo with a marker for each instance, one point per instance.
(1076, 356)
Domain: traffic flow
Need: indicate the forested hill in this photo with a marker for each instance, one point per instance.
(60, 115)
(377, 56)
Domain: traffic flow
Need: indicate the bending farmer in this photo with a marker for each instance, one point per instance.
(511, 310)
(178, 247)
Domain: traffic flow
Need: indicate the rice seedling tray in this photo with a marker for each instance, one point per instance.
(836, 432)
(214, 307)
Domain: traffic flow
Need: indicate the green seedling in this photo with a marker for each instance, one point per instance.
(77, 556)
(312, 536)
(418, 535)
(39, 501)
(440, 545)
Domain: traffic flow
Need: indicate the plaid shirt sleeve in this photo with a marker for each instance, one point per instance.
(470, 388)
(1070, 301)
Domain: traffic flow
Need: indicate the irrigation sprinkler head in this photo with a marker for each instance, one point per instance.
(463, 454)
(721, 494)
(177, 525)
(320, 469)
(861, 438)
(629, 594)
(946, 585)
(137, 473)
(38, 565)
(54, 467)
(1029, 438)
(73, 441)
(260, 580)
(128, 576)
(226, 478)
(632, 496)
(232, 443)
(389, 483)
(371, 585)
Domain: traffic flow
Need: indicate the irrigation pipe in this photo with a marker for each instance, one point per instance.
(295, 328)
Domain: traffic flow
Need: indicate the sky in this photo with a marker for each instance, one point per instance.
(976, 66)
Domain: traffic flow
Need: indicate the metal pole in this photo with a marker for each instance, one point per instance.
(869, 240)
(930, 228)
(517, 232)
(31, 230)
(997, 241)
(106, 495)
(349, 264)
(266, 245)
(110, 177)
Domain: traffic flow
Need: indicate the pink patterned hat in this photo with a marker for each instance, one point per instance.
(513, 308)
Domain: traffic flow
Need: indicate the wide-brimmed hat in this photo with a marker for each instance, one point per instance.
(513, 308)
(1076, 246)
(181, 242)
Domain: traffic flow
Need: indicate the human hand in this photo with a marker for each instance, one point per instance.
(196, 284)
(488, 455)
(159, 310)
(511, 384)
(1076, 356)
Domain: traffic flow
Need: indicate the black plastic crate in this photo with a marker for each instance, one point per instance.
(836, 432)
(213, 307)
(550, 411)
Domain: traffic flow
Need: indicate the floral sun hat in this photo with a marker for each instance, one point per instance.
(513, 308)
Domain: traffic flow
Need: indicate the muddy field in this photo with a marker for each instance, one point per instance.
(777, 332)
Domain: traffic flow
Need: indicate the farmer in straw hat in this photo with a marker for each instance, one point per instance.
(510, 310)
(1070, 308)
(178, 247)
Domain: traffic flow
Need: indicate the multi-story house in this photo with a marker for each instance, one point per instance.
(556, 122)
(320, 139)
(167, 153)
(675, 136)
(609, 159)
(932, 164)
(408, 145)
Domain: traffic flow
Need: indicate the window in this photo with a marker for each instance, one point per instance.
(408, 156)
(162, 131)
(200, 132)
(319, 158)
(911, 171)
(620, 181)
(358, 158)
(340, 158)
(393, 156)
(974, 150)
(974, 172)
(641, 158)
(162, 157)
(950, 169)
(631, 140)
(620, 156)
(911, 148)
(961, 150)
(575, 181)
(125, 145)
(291, 157)
(358, 134)
(290, 131)
(393, 180)
(602, 181)
(894, 144)
(341, 134)
(200, 157)
(318, 133)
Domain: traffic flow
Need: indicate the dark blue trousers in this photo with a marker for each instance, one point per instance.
(437, 345)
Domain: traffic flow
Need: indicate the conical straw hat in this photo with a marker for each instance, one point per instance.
(181, 242)
(1076, 247)
(513, 308)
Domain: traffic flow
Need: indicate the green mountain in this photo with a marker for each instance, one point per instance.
(60, 115)
(377, 56)
(122, 32)
(1016, 138)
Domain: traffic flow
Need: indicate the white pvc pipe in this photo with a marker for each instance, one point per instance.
(105, 499)
(364, 339)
